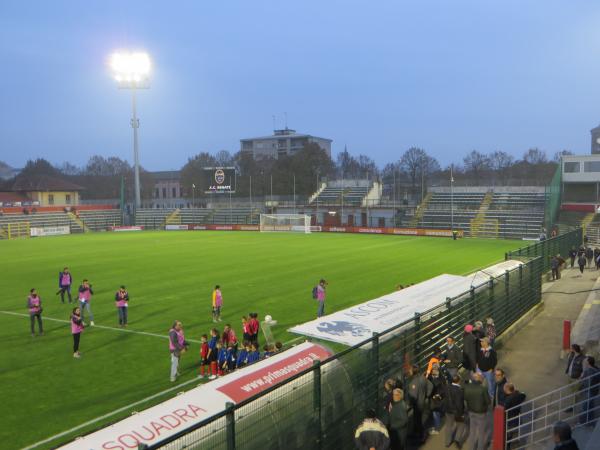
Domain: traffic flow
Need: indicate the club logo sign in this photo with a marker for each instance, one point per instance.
(219, 176)
(341, 328)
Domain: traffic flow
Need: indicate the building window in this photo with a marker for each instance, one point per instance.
(164, 193)
(174, 192)
(68, 199)
(246, 145)
(591, 166)
(156, 193)
(51, 199)
(572, 167)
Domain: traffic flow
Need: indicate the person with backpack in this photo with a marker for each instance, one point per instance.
(319, 293)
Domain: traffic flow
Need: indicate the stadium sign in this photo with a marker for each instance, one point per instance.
(174, 227)
(127, 228)
(220, 180)
(186, 409)
(49, 231)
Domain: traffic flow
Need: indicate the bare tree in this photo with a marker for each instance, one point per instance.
(535, 156)
(411, 162)
(500, 161)
(558, 155)
(477, 163)
(224, 158)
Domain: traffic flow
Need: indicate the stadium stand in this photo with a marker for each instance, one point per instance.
(334, 195)
(47, 219)
(98, 220)
(569, 220)
(512, 215)
(157, 218)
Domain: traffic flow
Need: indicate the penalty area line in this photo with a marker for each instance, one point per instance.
(102, 327)
(112, 413)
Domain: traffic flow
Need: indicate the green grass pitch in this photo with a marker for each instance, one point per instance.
(170, 276)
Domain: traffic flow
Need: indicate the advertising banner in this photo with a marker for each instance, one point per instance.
(49, 231)
(127, 228)
(174, 227)
(182, 411)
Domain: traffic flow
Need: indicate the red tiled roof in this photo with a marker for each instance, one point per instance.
(12, 197)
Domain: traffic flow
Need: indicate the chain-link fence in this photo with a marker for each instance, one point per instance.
(320, 409)
(548, 248)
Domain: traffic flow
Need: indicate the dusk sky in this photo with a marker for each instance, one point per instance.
(377, 76)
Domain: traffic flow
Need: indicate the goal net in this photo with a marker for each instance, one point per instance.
(14, 230)
(298, 223)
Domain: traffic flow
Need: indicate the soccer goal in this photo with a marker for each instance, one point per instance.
(15, 230)
(299, 223)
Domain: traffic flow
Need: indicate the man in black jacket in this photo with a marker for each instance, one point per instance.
(561, 434)
(469, 349)
(453, 357)
(371, 433)
(454, 405)
(499, 395)
(574, 367)
(418, 389)
(512, 403)
(478, 403)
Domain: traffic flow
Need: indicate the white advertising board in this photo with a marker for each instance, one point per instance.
(49, 231)
(354, 325)
(165, 419)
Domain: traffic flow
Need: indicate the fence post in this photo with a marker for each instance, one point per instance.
(521, 285)
(473, 308)
(507, 293)
(498, 441)
(377, 367)
(416, 345)
(317, 399)
(566, 335)
(230, 423)
(492, 307)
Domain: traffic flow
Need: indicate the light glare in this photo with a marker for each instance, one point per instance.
(130, 66)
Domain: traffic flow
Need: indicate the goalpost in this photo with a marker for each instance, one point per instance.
(298, 223)
(15, 230)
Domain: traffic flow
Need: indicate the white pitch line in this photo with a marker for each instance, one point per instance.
(124, 330)
(112, 413)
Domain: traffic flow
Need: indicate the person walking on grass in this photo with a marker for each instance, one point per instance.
(77, 327)
(65, 280)
(122, 303)
(217, 303)
(321, 293)
(34, 304)
(177, 346)
(85, 298)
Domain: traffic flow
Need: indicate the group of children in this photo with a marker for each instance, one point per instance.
(220, 354)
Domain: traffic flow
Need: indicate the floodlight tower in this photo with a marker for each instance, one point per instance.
(131, 70)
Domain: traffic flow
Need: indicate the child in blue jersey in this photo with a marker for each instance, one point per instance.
(213, 353)
(231, 357)
(221, 358)
(269, 351)
(242, 358)
(254, 354)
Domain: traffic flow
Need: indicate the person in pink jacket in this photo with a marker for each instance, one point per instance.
(76, 330)
(122, 303)
(34, 304)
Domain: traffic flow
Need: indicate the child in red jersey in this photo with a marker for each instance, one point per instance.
(204, 363)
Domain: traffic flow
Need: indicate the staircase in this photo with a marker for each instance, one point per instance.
(77, 224)
(480, 226)
(420, 211)
(173, 218)
(587, 220)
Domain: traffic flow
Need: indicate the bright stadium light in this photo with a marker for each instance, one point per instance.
(131, 70)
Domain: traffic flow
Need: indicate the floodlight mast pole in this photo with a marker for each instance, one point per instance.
(135, 124)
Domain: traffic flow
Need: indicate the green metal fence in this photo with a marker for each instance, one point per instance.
(559, 245)
(320, 409)
(553, 199)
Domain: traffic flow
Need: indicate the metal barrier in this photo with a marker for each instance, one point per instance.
(550, 247)
(531, 423)
(320, 409)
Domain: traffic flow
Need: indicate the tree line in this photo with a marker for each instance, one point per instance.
(304, 170)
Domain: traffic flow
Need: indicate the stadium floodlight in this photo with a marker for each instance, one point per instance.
(131, 70)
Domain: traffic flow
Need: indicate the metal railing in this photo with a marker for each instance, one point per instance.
(550, 247)
(531, 423)
(320, 409)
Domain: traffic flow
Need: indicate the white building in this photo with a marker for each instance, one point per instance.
(283, 142)
(581, 178)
